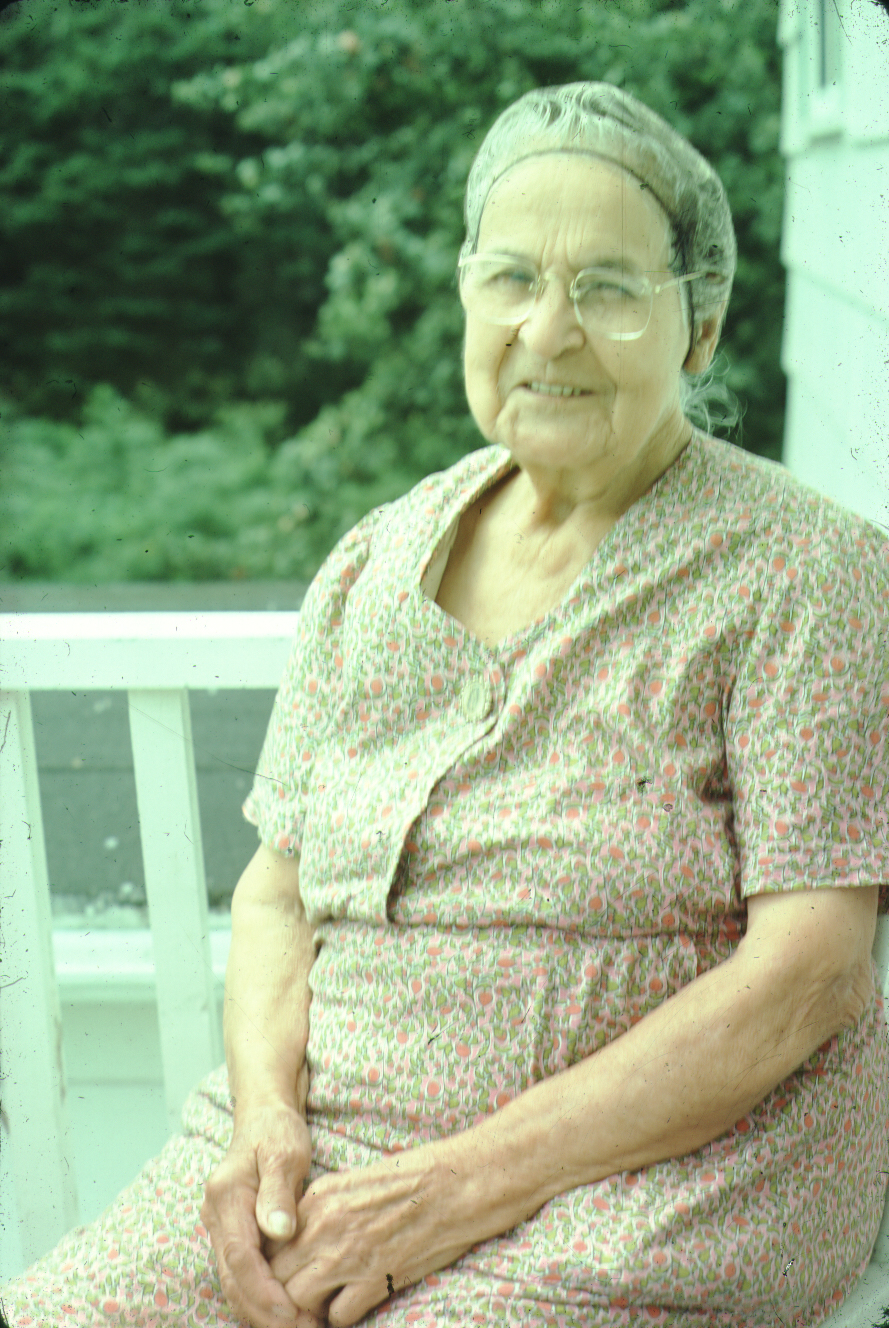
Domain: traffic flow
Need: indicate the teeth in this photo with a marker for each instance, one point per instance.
(552, 390)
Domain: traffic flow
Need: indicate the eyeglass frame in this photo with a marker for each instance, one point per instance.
(543, 278)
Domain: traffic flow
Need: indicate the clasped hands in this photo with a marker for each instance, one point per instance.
(356, 1237)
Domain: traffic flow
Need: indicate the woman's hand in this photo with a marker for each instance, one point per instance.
(261, 1174)
(367, 1233)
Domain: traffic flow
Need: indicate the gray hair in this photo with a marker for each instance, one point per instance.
(601, 120)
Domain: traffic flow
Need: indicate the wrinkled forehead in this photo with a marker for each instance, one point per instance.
(559, 190)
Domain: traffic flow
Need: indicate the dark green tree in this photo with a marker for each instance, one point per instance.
(117, 261)
(334, 164)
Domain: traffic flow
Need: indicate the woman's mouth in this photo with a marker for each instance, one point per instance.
(555, 390)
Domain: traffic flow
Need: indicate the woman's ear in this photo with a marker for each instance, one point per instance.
(702, 351)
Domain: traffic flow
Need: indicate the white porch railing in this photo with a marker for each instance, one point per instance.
(156, 658)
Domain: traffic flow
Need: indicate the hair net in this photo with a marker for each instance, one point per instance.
(602, 120)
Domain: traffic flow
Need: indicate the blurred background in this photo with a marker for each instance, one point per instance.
(228, 237)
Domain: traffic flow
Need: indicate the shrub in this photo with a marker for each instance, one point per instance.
(333, 165)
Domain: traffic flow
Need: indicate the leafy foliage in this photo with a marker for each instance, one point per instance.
(115, 263)
(205, 203)
(116, 499)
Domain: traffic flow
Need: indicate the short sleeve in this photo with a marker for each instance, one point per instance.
(807, 722)
(306, 700)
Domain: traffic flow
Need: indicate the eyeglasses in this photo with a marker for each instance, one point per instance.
(614, 304)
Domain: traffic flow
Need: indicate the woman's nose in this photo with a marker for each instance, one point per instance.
(552, 325)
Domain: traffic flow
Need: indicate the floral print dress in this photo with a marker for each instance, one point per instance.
(513, 854)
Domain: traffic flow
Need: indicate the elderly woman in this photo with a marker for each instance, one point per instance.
(550, 998)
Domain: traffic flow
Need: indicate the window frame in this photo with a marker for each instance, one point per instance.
(821, 103)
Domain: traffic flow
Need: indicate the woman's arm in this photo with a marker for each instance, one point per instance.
(267, 997)
(266, 1021)
(688, 1070)
(681, 1077)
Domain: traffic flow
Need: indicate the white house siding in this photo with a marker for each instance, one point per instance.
(835, 247)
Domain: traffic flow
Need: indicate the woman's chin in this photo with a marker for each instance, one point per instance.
(556, 443)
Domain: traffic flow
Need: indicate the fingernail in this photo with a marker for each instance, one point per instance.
(280, 1224)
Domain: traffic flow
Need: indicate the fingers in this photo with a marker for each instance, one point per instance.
(316, 1277)
(283, 1152)
(281, 1176)
(248, 1283)
(311, 1277)
(257, 1178)
(353, 1303)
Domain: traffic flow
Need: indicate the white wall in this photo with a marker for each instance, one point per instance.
(835, 246)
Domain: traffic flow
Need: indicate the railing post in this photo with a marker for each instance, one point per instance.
(33, 1074)
(170, 830)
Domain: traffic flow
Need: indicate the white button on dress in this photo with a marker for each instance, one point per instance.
(475, 699)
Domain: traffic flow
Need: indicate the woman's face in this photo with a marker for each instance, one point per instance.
(567, 212)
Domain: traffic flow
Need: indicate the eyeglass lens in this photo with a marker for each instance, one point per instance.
(607, 301)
